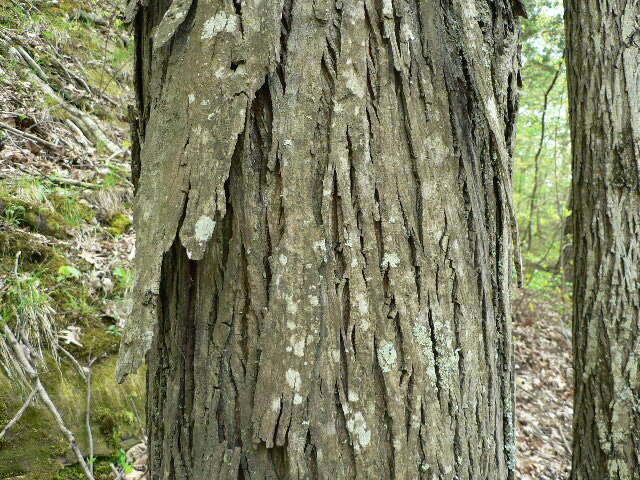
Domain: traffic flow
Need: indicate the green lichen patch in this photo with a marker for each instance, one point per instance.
(119, 223)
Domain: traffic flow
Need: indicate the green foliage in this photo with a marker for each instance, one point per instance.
(68, 271)
(124, 278)
(113, 424)
(121, 460)
(68, 204)
(114, 330)
(542, 174)
(101, 470)
(14, 214)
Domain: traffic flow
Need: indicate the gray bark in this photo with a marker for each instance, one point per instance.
(325, 238)
(603, 38)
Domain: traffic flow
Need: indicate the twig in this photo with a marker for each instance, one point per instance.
(88, 416)
(86, 123)
(19, 413)
(88, 409)
(19, 351)
(80, 368)
(73, 183)
(118, 474)
(114, 155)
(29, 136)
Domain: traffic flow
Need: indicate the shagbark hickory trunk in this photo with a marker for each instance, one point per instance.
(324, 238)
(603, 39)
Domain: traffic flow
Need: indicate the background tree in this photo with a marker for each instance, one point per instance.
(603, 58)
(542, 176)
(324, 238)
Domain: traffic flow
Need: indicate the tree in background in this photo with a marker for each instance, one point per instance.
(325, 227)
(542, 175)
(603, 58)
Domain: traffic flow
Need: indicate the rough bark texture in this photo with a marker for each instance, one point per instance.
(324, 238)
(603, 59)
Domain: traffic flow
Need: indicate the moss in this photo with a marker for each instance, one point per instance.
(72, 209)
(101, 471)
(35, 445)
(41, 220)
(35, 255)
(119, 224)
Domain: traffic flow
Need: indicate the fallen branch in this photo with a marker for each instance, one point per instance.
(19, 413)
(88, 126)
(118, 474)
(88, 408)
(21, 356)
(73, 183)
(81, 370)
(29, 136)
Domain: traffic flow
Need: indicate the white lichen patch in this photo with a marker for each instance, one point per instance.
(292, 305)
(297, 399)
(319, 245)
(387, 9)
(283, 259)
(387, 356)
(204, 228)
(293, 379)
(313, 300)
(363, 303)
(422, 336)
(355, 85)
(275, 404)
(390, 260)
(221, 22)
(298, 346)
(358, 428)
(192, 98)
(353, 396)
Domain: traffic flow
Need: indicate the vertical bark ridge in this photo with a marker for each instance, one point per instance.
(603, 60)
(326, 185)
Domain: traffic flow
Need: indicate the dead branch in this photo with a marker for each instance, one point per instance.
(19, 413)
(20, 353)
(29, 136)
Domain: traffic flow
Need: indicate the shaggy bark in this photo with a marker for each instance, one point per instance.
(603, 59)
(325, 238)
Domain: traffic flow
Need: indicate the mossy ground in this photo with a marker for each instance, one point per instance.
(45, 226)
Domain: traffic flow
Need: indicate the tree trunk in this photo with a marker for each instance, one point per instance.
(604, 92)
(324, 238)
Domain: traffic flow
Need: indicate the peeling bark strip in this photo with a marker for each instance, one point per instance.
(324, 238)
(603, 40)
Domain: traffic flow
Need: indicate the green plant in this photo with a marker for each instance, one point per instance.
(121, 460)
(14, 214)
(123, 278)
(114, 330)
(66, 272)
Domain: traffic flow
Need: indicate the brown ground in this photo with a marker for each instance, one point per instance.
(544, 382)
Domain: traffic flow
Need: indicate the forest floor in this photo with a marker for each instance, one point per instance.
(65, 234)
(544, 386)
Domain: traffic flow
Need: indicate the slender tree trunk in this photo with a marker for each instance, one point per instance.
(603, 38)
(324, 238)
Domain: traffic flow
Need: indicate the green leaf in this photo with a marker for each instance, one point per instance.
(68, 271)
